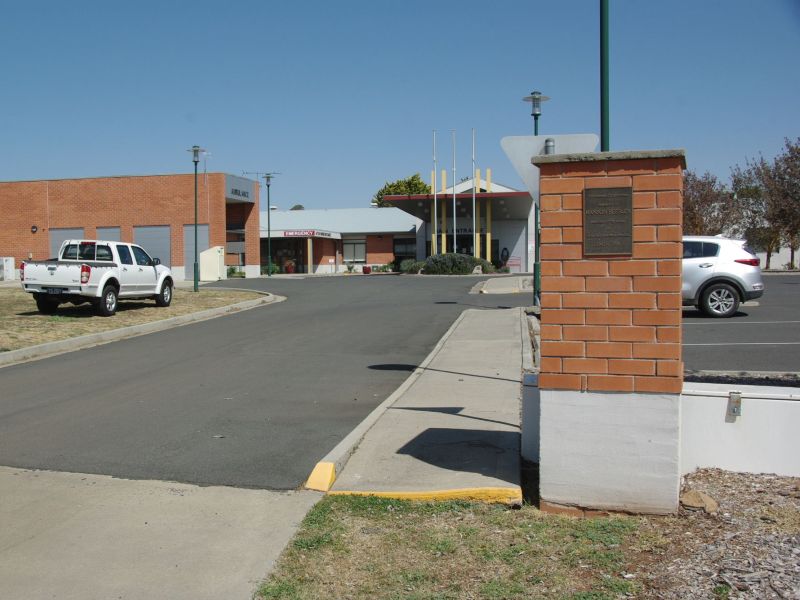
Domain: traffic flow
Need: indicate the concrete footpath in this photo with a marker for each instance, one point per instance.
(82, 537)
(452, 431)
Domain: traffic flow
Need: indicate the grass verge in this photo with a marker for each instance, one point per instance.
(21, 325)
(367, 547)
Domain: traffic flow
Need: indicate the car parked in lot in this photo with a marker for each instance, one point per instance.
(719, 274)
(96, 271)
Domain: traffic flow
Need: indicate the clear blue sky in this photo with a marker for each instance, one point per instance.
(342, 96)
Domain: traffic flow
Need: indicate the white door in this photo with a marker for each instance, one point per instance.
(127, 271)
(144, 272)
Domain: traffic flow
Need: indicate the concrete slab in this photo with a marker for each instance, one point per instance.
(454, 433)
(73, 536)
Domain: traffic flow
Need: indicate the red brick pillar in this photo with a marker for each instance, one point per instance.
(611, 323)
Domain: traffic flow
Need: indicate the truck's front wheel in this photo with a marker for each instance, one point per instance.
(107, 305)
(164, 297)
(45, 304)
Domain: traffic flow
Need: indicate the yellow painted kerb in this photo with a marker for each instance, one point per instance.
(322, 477)
(500, 495)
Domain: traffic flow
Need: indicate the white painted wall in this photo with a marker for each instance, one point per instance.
(778, 260)
(610, 451)
(511, 235)
(764, 439)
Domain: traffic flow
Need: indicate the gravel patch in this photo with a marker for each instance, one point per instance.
(748, 548)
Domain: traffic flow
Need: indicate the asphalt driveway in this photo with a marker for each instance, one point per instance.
(761, 337)
(248, 400)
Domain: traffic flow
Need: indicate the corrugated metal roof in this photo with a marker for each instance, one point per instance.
(343, 220)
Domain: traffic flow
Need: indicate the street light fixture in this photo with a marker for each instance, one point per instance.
(268, 178)
(196, 150)
(536, 100)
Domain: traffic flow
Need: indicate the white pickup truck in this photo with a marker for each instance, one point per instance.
(96, 271)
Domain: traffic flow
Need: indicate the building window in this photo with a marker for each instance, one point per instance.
(405, 248)
(354, 251)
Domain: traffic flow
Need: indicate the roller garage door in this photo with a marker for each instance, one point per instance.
(58, 235)
(109, 233)
(156, 240)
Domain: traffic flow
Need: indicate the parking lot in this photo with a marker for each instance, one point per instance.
(763, 336)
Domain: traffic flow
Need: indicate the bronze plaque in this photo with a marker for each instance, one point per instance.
(608, 221)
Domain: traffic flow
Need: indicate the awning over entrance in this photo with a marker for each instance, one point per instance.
(504, 205)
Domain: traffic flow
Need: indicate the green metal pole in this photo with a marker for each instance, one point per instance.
(269, 235)
(604, 142)
(535, 124)
(196, 268)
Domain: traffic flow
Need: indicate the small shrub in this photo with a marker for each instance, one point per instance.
(275, 269)
(350, 267)
(234, 271)
(410, 265)
(455, 264)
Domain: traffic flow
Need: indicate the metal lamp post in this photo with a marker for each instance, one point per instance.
(536, 100)
(196, 150)
(268, 179)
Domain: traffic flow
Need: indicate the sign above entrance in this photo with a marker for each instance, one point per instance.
(239, 189)
(608, 221)
(307, 233)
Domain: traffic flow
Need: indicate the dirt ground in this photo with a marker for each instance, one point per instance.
(21, 325)
(748, 548)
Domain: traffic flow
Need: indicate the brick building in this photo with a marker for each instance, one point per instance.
(155, 211)
(335, 240)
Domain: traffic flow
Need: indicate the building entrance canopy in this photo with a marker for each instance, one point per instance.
(504, 205)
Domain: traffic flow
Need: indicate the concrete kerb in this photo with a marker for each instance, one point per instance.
(95, 339)
(324, 473)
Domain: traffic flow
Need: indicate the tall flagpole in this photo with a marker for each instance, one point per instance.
(474, 231)
(435, 239)
(455, 248)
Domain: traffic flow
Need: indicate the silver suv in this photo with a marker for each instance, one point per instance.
(718, 274)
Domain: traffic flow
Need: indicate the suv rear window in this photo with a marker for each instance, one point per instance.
(700, 249)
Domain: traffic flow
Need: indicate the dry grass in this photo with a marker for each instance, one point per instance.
(21, 325)
(361, 547)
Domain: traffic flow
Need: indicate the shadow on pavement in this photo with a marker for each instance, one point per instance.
(451, 410)
(411, 368)
(470, 450)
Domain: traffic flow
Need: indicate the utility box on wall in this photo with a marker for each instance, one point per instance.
(7, 270)
(212, 264)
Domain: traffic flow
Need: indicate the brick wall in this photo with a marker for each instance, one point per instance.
(612, 323)
(324, 251)
(380, 249)
(125, 202)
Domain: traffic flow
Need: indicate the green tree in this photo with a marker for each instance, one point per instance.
(757, 194)
(709, 208)
(787, 188)
(298, 207)
(408, 186)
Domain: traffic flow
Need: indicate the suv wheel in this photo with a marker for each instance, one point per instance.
(720, 300)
